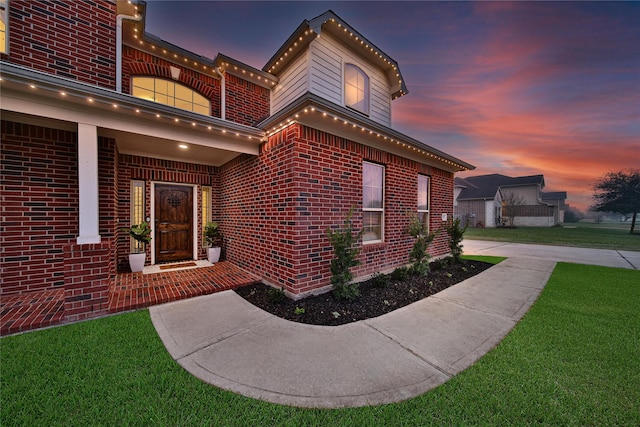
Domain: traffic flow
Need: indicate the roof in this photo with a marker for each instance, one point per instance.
(485, 187)
(332, 24)
(554, 195)
(312, 110)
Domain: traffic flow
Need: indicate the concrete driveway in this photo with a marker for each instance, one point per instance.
(603, 257)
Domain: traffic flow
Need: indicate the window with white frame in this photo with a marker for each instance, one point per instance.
(170, 93)
(372, 202)
(206, 211)
(137, 211)
(356, 89)
(4, 26)
(423, 199)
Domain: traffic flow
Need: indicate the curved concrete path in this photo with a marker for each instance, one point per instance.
(602, 257)
(227, 342)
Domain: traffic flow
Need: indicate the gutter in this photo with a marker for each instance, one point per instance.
(119, 19)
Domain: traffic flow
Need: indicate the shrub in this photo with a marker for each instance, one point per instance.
(400, 274)
(275, 295)
(380, 280)
(418, 255)
(456, 233)
(345, 256)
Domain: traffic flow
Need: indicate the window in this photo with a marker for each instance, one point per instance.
(356, 89)
(137, 211)
(170, 93)
(423, 199)
(372, 202)
(4, 14)
(206, 211)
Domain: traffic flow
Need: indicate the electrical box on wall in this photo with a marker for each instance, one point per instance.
(444, 217)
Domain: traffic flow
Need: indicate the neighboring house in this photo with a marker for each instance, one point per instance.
(105, 126)
(493, 200)
(557, 200)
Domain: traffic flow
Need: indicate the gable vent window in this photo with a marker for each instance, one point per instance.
(170, 93)
(356, 89)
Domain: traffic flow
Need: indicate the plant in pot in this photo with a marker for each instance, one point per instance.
(141, 233)
(213, 237)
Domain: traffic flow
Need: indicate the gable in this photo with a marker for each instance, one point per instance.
(314, 58)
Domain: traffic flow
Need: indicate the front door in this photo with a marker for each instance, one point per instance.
(173, 222)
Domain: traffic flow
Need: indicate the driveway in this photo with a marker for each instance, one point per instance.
(603, 257)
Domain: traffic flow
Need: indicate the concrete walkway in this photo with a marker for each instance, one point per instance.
(227, 342)
(603, 257)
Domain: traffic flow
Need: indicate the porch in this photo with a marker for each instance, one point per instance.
(127, 291)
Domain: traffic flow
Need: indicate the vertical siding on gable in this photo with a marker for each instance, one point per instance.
(293, 83)
(327, 59)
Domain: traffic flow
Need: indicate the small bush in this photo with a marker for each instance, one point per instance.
(456, 233)
(400, 274)
(418, 255)
(345, 256)
(276, 295)
(380, 280)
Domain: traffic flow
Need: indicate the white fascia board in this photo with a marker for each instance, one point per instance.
(125, 122)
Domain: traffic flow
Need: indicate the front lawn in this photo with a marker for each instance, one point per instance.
(586, 235)
(572, 360)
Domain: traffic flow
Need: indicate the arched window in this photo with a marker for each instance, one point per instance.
(356, 89)
(170, 93)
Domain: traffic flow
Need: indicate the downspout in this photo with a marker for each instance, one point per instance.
(223, 96)
(119, 19)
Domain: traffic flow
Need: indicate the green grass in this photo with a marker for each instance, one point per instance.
(572, 360)
(586, 235)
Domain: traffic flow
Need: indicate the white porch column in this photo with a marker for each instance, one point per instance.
(88, 184)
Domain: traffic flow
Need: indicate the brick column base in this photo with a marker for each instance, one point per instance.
(88, 270)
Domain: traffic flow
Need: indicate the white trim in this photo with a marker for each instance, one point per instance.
(427, 211)
(381, 210)
(88, 209)
(194, 228)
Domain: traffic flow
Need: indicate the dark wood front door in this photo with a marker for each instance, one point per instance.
(173, 222)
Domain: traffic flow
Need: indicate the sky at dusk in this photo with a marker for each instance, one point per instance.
(517, 88)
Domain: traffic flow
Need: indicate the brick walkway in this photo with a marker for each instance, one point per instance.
(30, 311)
(136, 290)
(129, 291)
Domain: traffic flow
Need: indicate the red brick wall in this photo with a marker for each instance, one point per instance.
(246, 102)
(39, 206)
(39, 188)
(147, 169)
(276, 208)
(72, 39)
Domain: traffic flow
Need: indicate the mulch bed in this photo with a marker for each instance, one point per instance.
(377, 296)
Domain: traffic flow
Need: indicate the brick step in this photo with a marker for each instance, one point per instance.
(131, 291)
(33, 310)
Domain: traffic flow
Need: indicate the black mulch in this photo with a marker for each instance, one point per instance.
(377, 296)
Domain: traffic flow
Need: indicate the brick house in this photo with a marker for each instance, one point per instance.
(104, 126)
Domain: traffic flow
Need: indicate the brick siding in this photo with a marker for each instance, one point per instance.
(247, 103)
(40, 205)
(277, 206)
(72, 39)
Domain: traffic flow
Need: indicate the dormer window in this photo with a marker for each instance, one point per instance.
(356, 89)
(170, 93)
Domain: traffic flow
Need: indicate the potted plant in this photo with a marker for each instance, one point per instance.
(141, 233)
(213, 237)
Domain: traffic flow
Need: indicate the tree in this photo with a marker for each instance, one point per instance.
(618, 192)
(510, 201)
